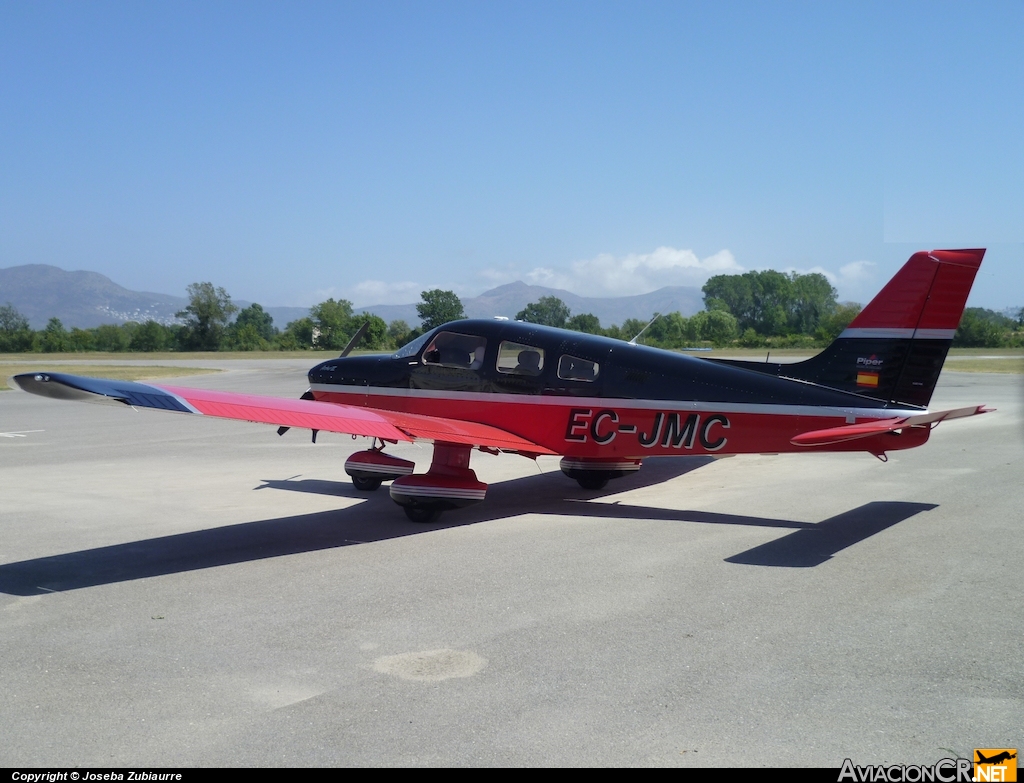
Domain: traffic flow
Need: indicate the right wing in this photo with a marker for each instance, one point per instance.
(304, 414)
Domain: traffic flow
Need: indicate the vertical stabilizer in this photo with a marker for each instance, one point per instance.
(895, 347)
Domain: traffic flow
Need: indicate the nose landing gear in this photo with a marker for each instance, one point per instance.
(369, 468)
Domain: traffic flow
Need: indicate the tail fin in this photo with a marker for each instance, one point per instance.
(895, 347)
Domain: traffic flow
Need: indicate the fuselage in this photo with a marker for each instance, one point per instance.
(587, 396)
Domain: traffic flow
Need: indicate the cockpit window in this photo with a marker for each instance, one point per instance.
(412, 348)
(571, 368)
(456, 350)
(516, 359)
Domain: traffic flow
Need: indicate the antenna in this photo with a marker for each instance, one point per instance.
(656, 317)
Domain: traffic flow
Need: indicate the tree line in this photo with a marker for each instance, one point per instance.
(765, 309)
(212, 322)
(755, 309)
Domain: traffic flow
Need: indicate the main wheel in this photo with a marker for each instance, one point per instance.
(365, 484)
(596, 481)
(422, 515)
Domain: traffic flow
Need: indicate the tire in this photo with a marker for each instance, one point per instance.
(365, 484)
(596, 481)
(422, 515)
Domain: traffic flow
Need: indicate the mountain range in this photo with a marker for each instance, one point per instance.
(87, 299)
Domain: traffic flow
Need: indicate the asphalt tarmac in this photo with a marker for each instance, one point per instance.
(180, 591)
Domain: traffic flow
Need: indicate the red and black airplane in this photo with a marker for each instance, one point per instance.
(601, 404)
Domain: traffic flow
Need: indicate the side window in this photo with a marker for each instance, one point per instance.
(517, 359)
(456, 350)
(572, 369)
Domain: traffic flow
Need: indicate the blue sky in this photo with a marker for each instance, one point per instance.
(295, 151)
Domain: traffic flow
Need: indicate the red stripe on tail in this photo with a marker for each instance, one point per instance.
(929, 292)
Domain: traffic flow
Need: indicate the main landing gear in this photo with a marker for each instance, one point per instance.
(448, 484)
(591, 473)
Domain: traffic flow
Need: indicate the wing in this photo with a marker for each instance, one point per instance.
(866, 429)
(305, 414)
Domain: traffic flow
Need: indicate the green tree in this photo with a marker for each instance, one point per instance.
(732, 293)
(669, 331)
(206, 317)
(54, 338)
(252, 330)
(332, 321)
(254, 315)
(246, 337)
(375, 338)
(833, 324)
(814, 298)
(297, 335)
(80, 340)
(631, 327)
(584, 322)
(151, 336)
(773, 299)
(548, 311)
(15, 335)
(399, 333)
(111, 338)
(439, 307)
(714, 326)
(980, 328)
(772, 303)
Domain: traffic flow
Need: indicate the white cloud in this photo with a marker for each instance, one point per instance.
(374, 292)
(379, 292)
(636, 273)
(855, 281)
(604, 275)
(496, 277)
(857, 272)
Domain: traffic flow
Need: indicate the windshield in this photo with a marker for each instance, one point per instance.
(413, 348)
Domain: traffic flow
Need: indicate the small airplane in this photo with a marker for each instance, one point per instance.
(601, 404)
(996, 759)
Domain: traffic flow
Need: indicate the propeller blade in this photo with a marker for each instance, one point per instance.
(306, 395)
(355, 339)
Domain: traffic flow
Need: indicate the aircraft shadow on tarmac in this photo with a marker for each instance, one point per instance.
(378, 519)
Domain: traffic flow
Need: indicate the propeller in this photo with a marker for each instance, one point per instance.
(355, 339)
(348, 349)
(306, 395)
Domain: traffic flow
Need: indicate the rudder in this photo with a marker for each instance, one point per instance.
(895, 348)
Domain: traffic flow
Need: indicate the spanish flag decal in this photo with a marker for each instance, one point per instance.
(869, 379)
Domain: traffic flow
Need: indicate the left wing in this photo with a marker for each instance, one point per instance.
(305, 414)
(866, 429)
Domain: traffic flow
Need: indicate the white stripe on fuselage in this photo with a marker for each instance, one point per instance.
(611, 402)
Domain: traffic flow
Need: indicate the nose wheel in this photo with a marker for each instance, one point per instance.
(364, 484)
(370, 468)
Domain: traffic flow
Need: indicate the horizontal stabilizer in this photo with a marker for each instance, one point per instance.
(866, 429)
